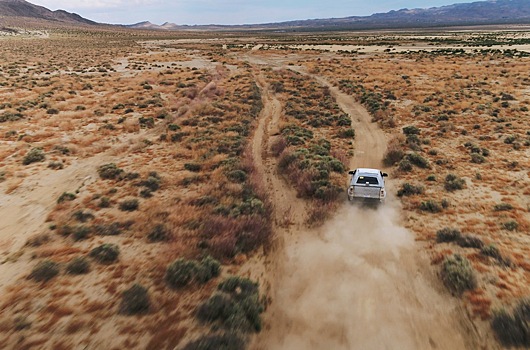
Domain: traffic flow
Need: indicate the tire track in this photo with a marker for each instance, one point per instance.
(358, 282)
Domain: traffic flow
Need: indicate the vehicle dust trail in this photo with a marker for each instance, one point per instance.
(359, 281)
(355, 283)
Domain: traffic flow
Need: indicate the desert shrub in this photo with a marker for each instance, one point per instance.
(83, 216)
(106, 253)
(104, 202)
(393, 155)
(129, 205)
(513, 329)
(193, 167)
(503, 207)
(66, 196)
(159, 233)
(237, 175)
(236, 307)
(418, 160)
(477, 158)
(278, 146)
(491, 250)
(152, 183)
(112, 229)
(182, 272)
(56, 165)
(447, 235)
(347, 133)
(78, 265)
(510, 139)
(431, 178)
(458, 274)
(44, 271)
(405, 165)
(511, 225)
(208, 269)
(38, 240)
(408, 189)
(430, 206)
(411, 130)
(173, 127)
(467, 241)
(453, 183)
(33, 156)
(135, 300)
(148, 122)
(223, 341)
(80, 233)
(110, 171)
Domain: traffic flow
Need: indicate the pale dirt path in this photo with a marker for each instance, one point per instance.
(360, 281)
(23, 212)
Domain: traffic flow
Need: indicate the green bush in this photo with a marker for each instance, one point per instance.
(405, 165)
(104, 202)
(236, 307)
(418, 160)
(492, 251)
(33, 156)
(159, 233)
(447, 235)
(431, 206)
(223, 341)
(110, 171)
(408, 189)
(78, 265)
(467, 241)
(106, 253)
(135, 300)
(513, 329)
(458, 274)
(66, 196)
(411, 130)
(208, 269)
(238, 176)
(477, 158)
(393, 155)
(44, 271)
(182, 272)
(129, 205)
(347, 133)
(80, 233)
(511, 225)
(152, 183)
(453, 183)
(193, 167)
(503, 207)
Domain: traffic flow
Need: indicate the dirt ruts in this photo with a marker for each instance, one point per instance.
(358, 282)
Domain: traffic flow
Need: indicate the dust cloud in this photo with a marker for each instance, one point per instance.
(355, 284)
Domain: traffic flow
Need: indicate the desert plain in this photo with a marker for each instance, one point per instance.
(186, 190)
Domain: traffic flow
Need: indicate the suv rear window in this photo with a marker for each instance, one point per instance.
(370, 179)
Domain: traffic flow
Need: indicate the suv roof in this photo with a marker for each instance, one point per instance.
(368, 171)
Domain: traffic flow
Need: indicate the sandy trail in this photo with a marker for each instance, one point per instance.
(359, 281)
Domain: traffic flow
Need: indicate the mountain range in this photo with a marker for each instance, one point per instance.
(474, 13)
(24, 9)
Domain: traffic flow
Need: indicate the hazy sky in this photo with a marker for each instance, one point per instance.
(228, 11)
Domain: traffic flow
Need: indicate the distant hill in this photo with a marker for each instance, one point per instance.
(475, 13)
(24, 9)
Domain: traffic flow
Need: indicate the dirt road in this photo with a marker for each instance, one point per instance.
(358, 282)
